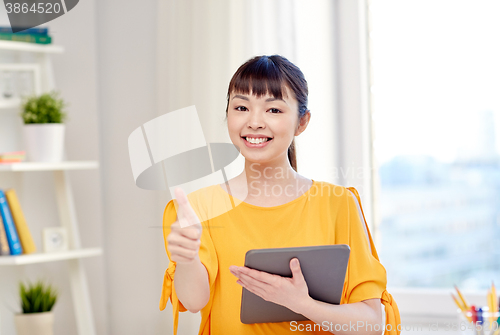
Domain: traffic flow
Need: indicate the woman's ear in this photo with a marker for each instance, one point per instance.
(303, 122)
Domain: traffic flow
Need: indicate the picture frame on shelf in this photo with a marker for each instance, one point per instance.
(55, 239)
(18, 80)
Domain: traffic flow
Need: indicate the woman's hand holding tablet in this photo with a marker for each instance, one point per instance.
(274, 290)
(288, 292)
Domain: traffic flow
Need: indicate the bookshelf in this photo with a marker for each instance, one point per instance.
(49, 257)
(42, 166)
(31, 47)
(64, 194)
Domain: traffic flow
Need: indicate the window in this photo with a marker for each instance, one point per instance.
(435, 91)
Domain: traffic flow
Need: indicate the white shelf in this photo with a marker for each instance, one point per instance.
(19, 66)
(47, 166)
(10, 103)
(49, 257)
(30, 47)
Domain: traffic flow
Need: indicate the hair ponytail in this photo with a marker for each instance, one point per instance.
(292, 158)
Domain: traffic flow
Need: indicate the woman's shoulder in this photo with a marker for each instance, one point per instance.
(328, 190)
(209, 202)
(197, 196)
(341, 197)
(203, 192)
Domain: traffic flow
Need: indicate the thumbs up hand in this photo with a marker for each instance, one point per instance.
(185, 234)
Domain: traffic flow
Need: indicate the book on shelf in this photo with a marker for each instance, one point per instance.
(12, 157)
(23, 231)
(30, 38)
(4, 244)
(38, 31)
(10, 228)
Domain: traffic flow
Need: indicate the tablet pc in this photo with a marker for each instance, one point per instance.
(324, 268)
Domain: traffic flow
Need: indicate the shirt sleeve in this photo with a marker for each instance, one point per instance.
(207, 255)
(366, 277)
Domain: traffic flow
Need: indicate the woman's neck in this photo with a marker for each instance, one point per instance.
(268, 180)
(272, 173)
(266, 184)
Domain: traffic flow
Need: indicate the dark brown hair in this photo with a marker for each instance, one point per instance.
(263, 75)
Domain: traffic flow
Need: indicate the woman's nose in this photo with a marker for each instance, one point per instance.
(256, 120)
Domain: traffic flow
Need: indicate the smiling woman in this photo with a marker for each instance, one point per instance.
(266, 109)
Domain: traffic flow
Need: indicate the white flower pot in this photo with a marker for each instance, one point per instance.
(44, 142)
(34, 323)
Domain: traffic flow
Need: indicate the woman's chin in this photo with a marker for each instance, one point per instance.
(267, 159)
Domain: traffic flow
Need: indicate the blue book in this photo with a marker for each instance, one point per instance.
(37, 31)
(10, 227)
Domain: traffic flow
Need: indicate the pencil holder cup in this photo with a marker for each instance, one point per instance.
(487, 323)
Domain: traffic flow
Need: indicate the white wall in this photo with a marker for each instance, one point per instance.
(135, 254)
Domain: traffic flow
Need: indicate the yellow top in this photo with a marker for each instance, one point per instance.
(325, 214)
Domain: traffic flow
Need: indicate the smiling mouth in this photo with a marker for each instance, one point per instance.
(257, 140)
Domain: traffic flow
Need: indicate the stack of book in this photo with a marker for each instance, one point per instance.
(15, 236)
(12, 157)
(31, 35)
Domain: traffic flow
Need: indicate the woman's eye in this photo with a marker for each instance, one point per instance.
(274, 111)
(241, 108)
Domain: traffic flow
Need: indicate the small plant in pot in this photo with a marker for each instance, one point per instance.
(37, 317)
(43, 117)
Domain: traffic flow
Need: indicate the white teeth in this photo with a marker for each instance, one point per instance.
(256, 140)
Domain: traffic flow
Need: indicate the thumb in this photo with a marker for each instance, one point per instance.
(185, 210)
(296, 270)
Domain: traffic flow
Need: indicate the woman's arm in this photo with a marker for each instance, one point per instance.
(191, 285)
(191, 276)
(364, 317)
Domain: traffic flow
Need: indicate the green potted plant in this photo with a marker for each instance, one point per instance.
(37, 317)
(43, 117)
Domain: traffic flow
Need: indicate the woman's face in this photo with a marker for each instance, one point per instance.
(252, 120)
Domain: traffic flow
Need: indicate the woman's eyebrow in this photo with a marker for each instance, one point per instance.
(274, 99)
(241, 97)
